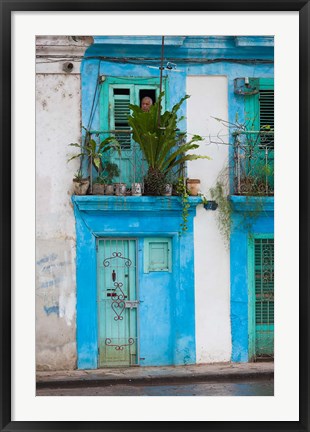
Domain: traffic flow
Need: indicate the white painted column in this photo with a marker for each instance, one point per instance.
(209, 99)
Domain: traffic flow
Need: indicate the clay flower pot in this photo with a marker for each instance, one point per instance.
(120, 189)
(80, 186)
(109, 189)
(98, 189)
(193, 186)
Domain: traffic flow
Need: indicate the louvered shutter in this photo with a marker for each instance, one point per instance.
(266, 115)
(121, 113)
(264, 295)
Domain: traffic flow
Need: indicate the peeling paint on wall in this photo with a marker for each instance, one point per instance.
(55, 300)
(67, 307)
(52, 310)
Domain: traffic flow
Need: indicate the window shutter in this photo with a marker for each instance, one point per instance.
(121, 113)
(264, 281)
(266, 115)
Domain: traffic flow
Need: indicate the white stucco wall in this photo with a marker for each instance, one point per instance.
(57, 124)
(209, 99)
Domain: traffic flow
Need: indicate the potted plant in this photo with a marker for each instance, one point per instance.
(94, 152)
(168, 187)
(120, 189)
(136, 189)
(161, 144)
(99, 185)
(110, 170)
(193, 186)
(80, 183)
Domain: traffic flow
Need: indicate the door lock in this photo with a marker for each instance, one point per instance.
(131, 304)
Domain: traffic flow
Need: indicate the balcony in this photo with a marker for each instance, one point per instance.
(131, 166)
(253, 168)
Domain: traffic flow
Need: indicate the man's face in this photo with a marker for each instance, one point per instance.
(146, 104)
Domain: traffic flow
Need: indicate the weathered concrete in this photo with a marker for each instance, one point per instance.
(168, 374)
(58, 113)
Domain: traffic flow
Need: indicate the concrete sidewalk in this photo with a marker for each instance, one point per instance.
(216, 372)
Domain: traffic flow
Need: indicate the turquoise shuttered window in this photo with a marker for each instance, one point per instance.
(259, 109)
(266, 114)
(266, 102)
(264, 281)
(121, 113)
(263, 291)
(258, 140)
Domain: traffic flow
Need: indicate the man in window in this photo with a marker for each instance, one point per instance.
(146, 104)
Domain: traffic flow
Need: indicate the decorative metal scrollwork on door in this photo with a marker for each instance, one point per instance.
(119, 347)
(107, 261)
(118, 297)
(118, 301)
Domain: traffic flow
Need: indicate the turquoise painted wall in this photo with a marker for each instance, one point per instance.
(263, 223)
(178, 344)
(166, 313)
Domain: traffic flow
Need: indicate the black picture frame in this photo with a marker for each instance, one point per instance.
(7, 7)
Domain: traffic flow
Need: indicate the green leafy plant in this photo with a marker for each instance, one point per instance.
(94, 151)
(78, 176)
(157, 135)
(100, 180)
(220, 193)
(224, 213)
(182, 191)
(110, 170)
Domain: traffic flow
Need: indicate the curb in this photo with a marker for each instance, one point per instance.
(155, 380)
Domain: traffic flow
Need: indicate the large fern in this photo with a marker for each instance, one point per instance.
(158, 137)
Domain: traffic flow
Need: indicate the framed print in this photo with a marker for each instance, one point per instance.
(150, 258)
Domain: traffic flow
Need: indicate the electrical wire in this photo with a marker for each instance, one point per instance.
(144, 60)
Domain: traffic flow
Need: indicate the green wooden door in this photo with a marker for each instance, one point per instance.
(261, 297)
(117, 302)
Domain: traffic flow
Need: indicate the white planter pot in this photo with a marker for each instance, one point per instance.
(168, 190)
(136, 189)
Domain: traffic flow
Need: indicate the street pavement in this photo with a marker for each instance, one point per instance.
(250, 388)
(201, 379)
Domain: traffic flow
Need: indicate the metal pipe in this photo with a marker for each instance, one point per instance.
(161, 76)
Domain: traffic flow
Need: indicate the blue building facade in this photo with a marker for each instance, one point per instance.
(135, 272)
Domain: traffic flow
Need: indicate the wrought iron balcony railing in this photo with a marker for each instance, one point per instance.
(253, 168)
(130, 161)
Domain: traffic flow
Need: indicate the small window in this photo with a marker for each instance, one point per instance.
(151, 93)
(157, 255)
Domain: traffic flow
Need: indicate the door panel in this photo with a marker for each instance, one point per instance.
(117, 302)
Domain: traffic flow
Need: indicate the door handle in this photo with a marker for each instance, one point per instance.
(131, 304)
